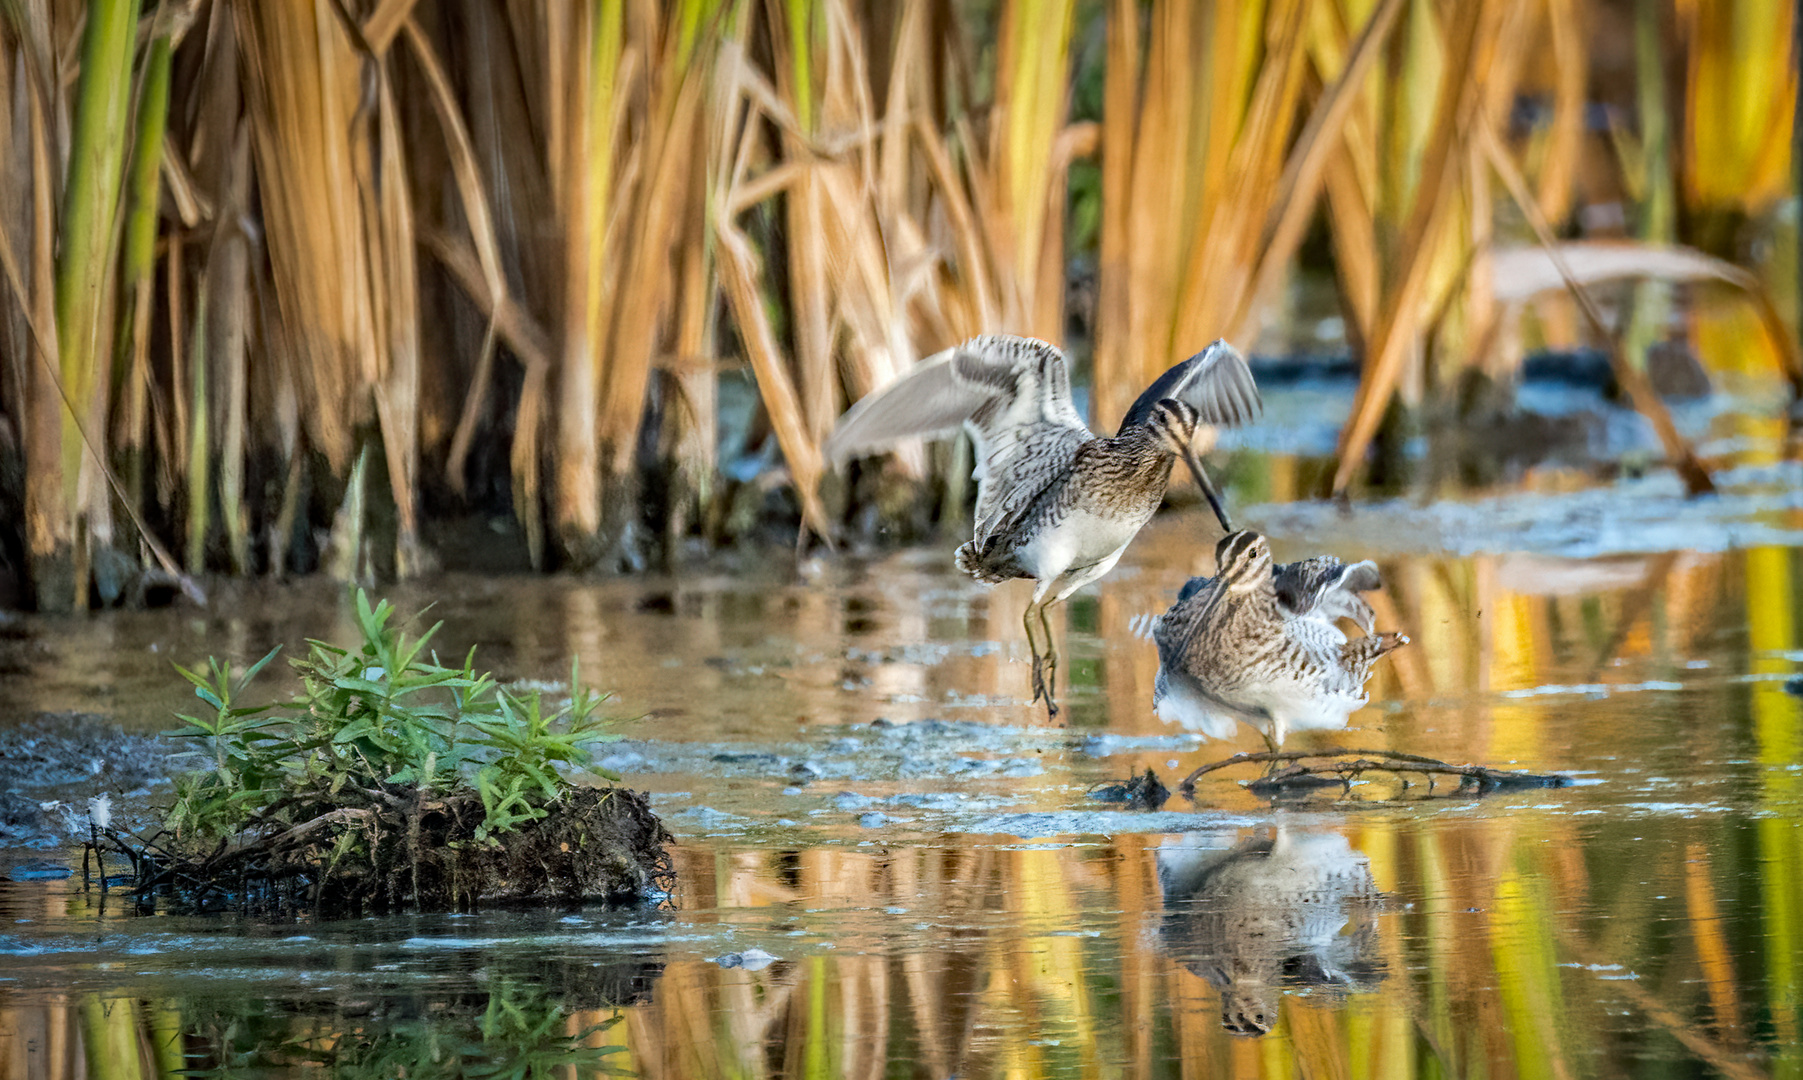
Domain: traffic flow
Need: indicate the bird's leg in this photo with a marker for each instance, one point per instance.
(1273, 742)
(1038, 660)
(1051, 661)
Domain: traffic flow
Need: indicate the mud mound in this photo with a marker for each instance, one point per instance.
(385, 852)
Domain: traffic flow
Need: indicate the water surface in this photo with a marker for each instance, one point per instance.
(890, 863)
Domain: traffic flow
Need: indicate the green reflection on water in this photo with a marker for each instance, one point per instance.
(517, 1032)
(1771, 628)
(1521, 940)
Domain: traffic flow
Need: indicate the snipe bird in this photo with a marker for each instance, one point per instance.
(1297, 910)
(1261, 647)
(1055, 502)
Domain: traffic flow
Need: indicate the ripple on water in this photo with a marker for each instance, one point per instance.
(1648, 514)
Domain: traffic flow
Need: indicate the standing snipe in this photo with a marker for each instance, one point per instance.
(1054, 502)
(1262, 648)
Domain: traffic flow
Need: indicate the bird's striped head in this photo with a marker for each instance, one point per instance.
(1243, 560)
(1173, 423)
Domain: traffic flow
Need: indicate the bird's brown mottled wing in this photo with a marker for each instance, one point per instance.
(1326, 588)
(1012, 394)
(1026, 433)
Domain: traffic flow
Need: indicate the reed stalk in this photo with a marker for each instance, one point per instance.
(138, 263)
(90, 205)
(225, 327)
(200, 445)
(616, 202)
(1658, 200)
(585, 101)
(1025, 197)
(665, 205)
(49, 526)
(65, 503)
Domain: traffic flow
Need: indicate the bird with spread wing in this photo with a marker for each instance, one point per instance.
(1055, 502)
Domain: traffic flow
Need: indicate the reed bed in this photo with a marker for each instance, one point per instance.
(291, 283)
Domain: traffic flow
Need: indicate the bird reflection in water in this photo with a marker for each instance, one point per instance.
(1296, 910)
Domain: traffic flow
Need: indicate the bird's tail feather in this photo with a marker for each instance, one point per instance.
(1366, 650)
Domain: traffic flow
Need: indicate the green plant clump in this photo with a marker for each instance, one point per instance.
(394, 781)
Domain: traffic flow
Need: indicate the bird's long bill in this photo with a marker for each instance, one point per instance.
(1208, 488)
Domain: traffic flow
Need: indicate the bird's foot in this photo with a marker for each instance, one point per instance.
(1044, 673)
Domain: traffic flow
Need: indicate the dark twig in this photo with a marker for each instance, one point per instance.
(1347, 764)
(1261, 756)
(288, 837)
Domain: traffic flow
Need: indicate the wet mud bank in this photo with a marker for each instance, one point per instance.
(593, 844)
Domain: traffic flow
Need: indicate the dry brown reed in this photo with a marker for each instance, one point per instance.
(508, 251)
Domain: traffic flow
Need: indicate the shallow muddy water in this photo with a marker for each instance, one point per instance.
(891, 865)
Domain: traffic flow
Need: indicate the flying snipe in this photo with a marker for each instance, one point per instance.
(1262, 648)
(1055, 503)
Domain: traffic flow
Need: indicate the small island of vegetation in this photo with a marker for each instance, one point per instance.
(394, 782)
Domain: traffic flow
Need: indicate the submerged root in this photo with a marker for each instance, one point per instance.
(400, 852)
(1306, 769)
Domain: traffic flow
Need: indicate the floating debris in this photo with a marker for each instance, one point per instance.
(852, 801)
(1143, 792)
(1308, 770)
(100, 811)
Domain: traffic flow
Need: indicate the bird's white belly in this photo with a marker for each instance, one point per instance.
(1177, 700)
(1079, 549)
(1301, 709)
(1281, 707)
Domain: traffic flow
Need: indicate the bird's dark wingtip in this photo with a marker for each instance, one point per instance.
(1217, 381)
(1362, 577)
(1193, 586)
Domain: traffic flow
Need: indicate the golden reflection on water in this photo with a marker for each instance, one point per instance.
(1070, 975)
(1609, 930)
